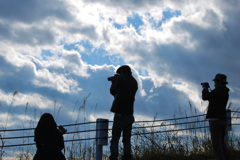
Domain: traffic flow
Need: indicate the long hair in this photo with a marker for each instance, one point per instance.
(46, 121)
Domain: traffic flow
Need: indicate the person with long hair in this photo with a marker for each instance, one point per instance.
(49, 139)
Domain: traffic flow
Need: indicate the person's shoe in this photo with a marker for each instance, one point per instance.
(113, 158)
(127, 158)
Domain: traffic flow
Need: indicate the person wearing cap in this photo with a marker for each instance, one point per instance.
(216, 115)
(124, 87)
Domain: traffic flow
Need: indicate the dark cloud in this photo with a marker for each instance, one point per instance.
(15, 14)
(88, 31)
(28, 11)
(215, 49)
(134, 5)
(123, 3)
(15, 78)
(22, 78)
(164, 101)
(31, 36)
(30, 22)
(4, 31)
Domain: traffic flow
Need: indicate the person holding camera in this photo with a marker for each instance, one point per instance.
(124, 87)
(216, 115)
(49, 139)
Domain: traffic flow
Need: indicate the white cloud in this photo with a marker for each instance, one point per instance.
(20, 99)
(55, 81)
(4, 123)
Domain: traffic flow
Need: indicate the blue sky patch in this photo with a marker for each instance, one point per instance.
(136, 21)
(118, 26)
(178, 83)
(167, 15)
(95, 56)
(45, 54)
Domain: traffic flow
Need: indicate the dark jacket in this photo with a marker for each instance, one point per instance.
(49, 144)
(218, 99)
(123, 88)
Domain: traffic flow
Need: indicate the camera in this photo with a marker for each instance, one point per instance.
(205, 84)
(62, 129)
(113, 77)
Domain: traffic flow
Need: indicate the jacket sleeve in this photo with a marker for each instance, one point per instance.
(114, 86)
(38, 138)
(206, 95)
(61, 140)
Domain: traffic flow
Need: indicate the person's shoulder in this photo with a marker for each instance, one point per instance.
(221, 89)
(226, 89)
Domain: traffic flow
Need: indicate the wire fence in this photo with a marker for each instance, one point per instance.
(167, 125)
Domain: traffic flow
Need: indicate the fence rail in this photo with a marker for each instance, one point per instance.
(154, 125)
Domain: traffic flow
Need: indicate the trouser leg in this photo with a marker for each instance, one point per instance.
(127, 132)
(127, 142)
(226, 151)
(121, 123)
(217, 130)
(116, 133)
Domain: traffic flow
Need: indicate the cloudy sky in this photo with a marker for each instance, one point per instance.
(58, 53)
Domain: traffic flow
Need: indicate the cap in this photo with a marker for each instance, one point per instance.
(124, 69)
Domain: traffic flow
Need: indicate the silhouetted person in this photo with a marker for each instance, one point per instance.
(123, 88)
(49, 139)
(216, 115)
